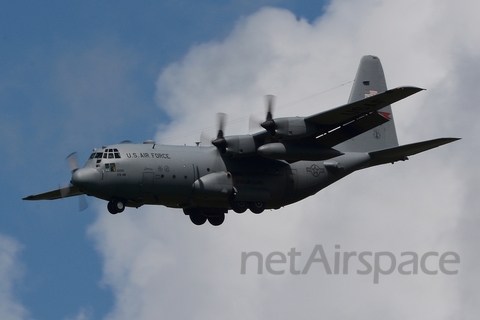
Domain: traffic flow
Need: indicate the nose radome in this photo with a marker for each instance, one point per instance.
(85, 178)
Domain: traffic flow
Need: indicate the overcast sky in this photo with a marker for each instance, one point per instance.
(78, 76)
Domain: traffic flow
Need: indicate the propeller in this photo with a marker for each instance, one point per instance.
(72, 161)
(269, 123)
(220, 141)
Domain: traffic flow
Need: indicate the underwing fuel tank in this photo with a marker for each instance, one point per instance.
(213, 187)
(295, 152)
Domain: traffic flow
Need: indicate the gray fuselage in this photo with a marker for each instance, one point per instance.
(177, 176)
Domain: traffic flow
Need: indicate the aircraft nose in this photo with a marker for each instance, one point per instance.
(85, 178)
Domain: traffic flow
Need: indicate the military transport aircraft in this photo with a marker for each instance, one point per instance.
(288, 160)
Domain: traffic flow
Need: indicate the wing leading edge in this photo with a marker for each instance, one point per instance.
(64, 192)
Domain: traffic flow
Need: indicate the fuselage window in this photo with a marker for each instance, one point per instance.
(110, 167)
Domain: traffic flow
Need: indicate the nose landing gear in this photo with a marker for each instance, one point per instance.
(116, 206)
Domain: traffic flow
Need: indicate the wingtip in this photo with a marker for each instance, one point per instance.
(453, 139)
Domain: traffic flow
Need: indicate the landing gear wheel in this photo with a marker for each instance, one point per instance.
(119, 205)
(256, 207)
(115, 206)
(197, 219)
(111, 208)
(239, 206)
(217, 220)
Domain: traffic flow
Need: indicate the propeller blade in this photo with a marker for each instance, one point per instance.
(82, 202)
(205, 139)
(72, 162)
(82, 199)
(220, 141)
(221, 119)
(254, 124)
(270, 101)
(269, 123)
(64, 190)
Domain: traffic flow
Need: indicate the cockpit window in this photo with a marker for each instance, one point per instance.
(108, 154)
(111, 154)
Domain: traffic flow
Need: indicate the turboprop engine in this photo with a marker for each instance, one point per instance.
(289, 128)
(238, 146)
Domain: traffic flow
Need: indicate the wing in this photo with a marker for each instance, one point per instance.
(351, 111)
(347, 121)
(336, 125)
(64, 192)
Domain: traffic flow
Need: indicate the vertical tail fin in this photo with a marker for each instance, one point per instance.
(369, 81)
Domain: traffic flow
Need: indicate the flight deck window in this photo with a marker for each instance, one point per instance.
(111, 154)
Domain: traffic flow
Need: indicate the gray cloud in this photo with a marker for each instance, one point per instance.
(160, 265)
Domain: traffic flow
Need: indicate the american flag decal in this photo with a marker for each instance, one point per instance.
(370, 93)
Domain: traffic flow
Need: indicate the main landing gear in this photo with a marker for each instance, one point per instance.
(115, 206)
(242, 206)
(199, 217)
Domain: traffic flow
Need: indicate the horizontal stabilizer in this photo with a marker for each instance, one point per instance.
(65, 192)
(402, 152)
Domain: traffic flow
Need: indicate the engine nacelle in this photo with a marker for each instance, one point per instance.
(238, 146)
(293, 128)
(217, 186)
